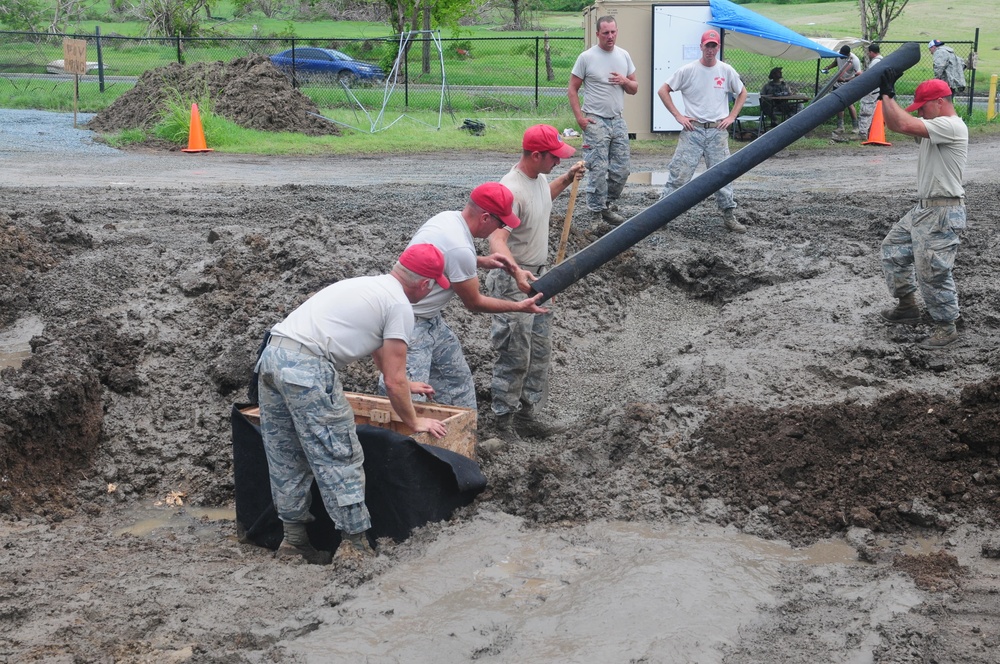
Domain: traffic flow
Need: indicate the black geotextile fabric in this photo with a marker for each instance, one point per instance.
(407, 484)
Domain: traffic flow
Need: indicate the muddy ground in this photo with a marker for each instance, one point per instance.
(741, 387)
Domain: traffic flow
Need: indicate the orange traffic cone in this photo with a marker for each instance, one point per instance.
(196, 136)
(876, 134)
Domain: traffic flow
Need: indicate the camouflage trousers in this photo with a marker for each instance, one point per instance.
(435, 356)
(524, 346)
(919, 252)
(711, 143)
(866, 112)
(607, 153)
(308, 431)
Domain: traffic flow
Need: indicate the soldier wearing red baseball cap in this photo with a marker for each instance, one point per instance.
(435, 355)
(523, 341)
(706, 85)
(919, 252)
(298, 382)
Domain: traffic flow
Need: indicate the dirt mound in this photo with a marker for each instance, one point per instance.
(905, 460)
(249, 91)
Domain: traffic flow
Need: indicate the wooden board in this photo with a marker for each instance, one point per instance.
(375, 410)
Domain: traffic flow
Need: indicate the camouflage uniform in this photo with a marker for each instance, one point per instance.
(524, 345)
(435, 356)
(711, 142)
(866, 110)
(308, 430)
(607, 153)
(926, 239)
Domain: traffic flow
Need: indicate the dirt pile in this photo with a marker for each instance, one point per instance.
(249, 91)
(744, 381)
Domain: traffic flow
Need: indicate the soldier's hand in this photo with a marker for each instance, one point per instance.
(435, 427)
(887, 83)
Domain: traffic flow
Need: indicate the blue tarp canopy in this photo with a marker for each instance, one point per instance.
(752, 32)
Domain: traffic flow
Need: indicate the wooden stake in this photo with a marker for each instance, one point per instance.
(568, 221)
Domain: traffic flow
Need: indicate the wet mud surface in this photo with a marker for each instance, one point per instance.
(741, 385)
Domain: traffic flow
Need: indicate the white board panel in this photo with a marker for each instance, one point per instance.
(677, 33)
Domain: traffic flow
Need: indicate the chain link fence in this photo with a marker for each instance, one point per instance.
(805, 77)
(495, 74)
(501, 74)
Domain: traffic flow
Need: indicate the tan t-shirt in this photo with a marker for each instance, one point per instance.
(942, 158)
(529, 242)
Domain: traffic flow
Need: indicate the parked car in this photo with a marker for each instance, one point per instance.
(314, 64)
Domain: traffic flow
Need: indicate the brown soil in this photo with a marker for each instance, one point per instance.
(745, 381)
(249, 91)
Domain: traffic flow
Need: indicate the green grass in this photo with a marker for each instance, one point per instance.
(507, 62)
(413, 133)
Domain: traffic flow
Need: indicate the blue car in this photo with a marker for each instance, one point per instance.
(326, 64)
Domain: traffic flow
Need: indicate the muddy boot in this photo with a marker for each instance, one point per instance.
(942, 335)
(505, 428)
(840, 127)
(296, 543)
(612, 217)
(528, 424)
(906, 312)
(354, 547)
(729, 219)
(855, 129)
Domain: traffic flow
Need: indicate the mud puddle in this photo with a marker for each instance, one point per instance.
(606, 591)
(15, 345)
(146, 520)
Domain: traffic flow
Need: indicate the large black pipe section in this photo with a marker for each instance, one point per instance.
(662, 212)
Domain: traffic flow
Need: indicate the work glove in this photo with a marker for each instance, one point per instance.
(887, 84)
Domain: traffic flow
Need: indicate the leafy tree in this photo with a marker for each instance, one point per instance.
(26, 15)
(427, 14)
(876, 15)
(167, 18)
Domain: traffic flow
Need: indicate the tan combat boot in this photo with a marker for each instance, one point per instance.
(354, 547)
(943, 334)
(729, 218)
(906, 312)
(296, 543)
(527, 423)
(505, 428)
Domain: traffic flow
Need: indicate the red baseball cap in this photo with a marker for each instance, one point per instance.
(710, 36)
(496, 199)
(927, 91)
(425, 260)
(545, 138)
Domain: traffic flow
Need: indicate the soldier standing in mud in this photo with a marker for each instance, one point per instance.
(306, 422)
(848, 68)
(606, 73)
(434, 355)
(706, 85)
(523, 341)
(925, 241)
(868, 102)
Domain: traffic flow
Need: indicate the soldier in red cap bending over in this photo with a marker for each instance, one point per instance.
(434, 355)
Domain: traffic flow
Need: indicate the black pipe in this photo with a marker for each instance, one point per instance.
(664, 211)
